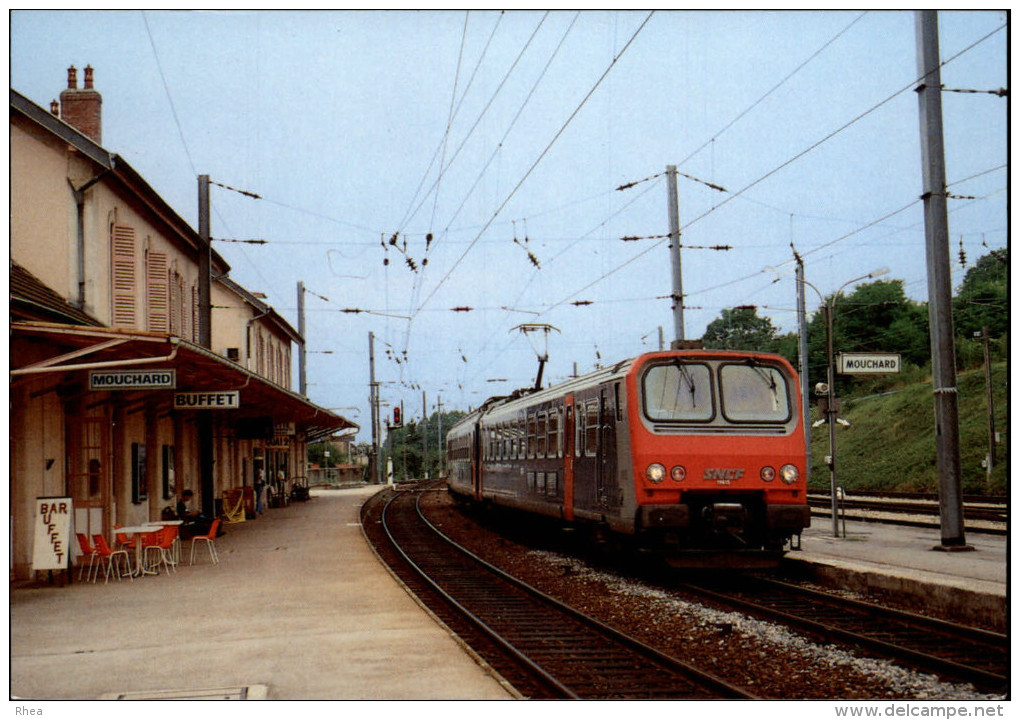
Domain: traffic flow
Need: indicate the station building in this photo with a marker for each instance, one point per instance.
(114, 401)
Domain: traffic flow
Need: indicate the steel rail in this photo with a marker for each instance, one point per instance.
(575, 651)
(536, 671)
(821, 613)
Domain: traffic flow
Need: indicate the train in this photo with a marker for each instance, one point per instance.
(696, 455)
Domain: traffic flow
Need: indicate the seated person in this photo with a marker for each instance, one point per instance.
(195, 523)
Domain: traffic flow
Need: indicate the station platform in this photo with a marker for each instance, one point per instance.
(970, 585)
(298, 608)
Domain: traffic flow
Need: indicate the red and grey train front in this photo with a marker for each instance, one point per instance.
(717, 444)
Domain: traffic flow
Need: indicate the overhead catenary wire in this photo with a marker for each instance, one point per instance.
(537, 160)
(775, 87)
(775, 170)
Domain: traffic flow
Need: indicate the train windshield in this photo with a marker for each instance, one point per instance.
(679, 392)
(754, 393)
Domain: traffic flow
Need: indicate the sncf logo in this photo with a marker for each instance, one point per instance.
(723, 476)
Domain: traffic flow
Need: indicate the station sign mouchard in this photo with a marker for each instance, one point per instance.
(867, 363)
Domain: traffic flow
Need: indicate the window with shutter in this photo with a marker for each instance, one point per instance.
(157, 285)
(192, 330)
(123, 276)
(176, 302)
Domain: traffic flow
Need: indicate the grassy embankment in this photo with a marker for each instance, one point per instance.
(890, 444)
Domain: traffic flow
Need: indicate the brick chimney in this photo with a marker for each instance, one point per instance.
(82, 109)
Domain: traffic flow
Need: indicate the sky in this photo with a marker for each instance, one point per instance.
(411, 165)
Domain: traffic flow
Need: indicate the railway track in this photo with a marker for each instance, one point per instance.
(981, 517)
(541, 647)
(956, 652)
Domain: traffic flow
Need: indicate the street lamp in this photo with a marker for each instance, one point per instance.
(828, 307)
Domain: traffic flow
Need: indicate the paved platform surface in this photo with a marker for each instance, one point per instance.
(900, 559)
(298, 608)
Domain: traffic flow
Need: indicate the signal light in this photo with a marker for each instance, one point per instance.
(396, 417)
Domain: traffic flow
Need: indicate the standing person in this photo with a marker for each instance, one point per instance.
(281, 485)
(260, 491)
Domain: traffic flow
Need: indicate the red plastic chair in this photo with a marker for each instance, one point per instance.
(161, 545)
(110, 559)
(123, 541)
(86, 549)
(210, 540)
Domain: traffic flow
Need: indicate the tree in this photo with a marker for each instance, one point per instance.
(405, 445)
(875, 317)
(740, 328)
(983, 299)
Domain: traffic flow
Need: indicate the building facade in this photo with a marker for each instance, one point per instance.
(115, 404)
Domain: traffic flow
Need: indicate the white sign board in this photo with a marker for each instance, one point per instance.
(52, 545)
(227, 400)
(868, 363)
(132, 379)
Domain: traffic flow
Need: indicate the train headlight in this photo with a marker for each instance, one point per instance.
(678, 473)
(789, 474)
(656, 473)
(768, 473)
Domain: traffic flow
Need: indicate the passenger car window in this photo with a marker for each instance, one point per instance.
(591, 428)
(553, 428)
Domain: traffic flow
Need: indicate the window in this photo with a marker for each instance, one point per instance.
(169, 473)
(177, 305)
(754, 393)
(591, 427)
(678, 392)
(122, 276)
(531, 436)
(541, 435)
(157, 287)
(579, 430)
(515, 439)
(139, 480)
(553, 430)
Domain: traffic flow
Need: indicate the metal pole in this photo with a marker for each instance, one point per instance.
(940, 290)
(424, 437)
(674, 247)
(204, 266)
(373, 399)
(805, 390)
(830, 411)
(302, 384)
(991, 405)
(203, 423)
(439, 437)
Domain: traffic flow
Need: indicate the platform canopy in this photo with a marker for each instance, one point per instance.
(72, 351)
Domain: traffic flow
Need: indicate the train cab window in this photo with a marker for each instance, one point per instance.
(754, 393)
(540, 432)
(678, 392)
(553, 430)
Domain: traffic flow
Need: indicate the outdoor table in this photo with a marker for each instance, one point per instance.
(140, 530)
